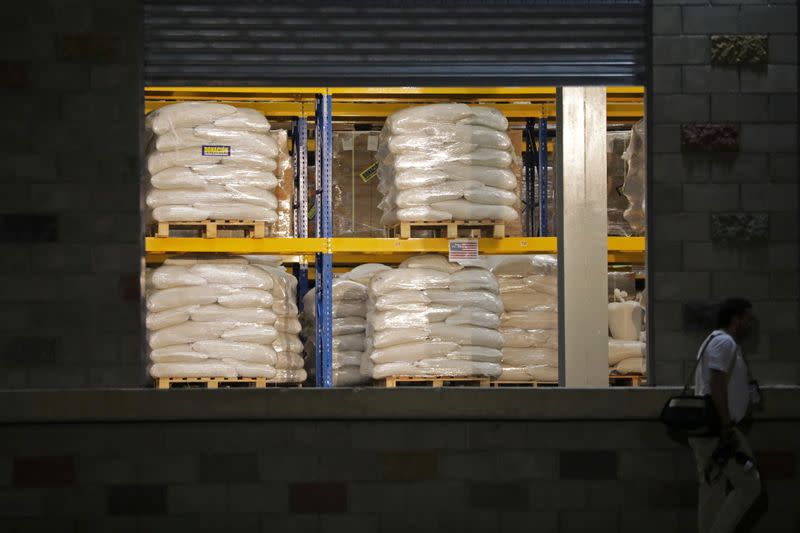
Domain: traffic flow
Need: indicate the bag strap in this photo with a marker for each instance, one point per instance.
(697, 362)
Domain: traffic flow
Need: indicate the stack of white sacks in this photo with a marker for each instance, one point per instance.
(229, 317)
(446, 162)
(211, 161)
(349, 325)
(626, 346)
(529, 290)
(430, 317)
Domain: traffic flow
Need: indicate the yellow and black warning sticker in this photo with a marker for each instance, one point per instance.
(369, 172)
(216, 150)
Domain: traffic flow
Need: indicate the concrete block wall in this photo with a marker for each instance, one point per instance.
(70, 238)
(370, 476)
(692, 265)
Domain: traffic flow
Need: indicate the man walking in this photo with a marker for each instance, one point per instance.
(729, 479)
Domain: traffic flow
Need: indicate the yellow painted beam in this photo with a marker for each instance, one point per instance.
(272, 246)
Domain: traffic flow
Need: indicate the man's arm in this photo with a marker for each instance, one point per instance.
(719, 395)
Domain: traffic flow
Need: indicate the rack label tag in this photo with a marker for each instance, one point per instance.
(370, 172)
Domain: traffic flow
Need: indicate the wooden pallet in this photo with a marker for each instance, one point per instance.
(450, 228)
(216, 383)
(627, 380)
(522, 384)
(432, 381)
(256, 229)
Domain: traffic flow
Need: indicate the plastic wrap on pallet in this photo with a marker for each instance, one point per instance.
(617, 202)
(635, 179)
(221, 317)
(284, 189)
(212, 161)
(430, 317)
(355, 194)
(528, 287)
(447, 162)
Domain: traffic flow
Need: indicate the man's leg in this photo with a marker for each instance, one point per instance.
(709, 495)
(746, 486)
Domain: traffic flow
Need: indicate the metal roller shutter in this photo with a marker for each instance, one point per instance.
(382, 42)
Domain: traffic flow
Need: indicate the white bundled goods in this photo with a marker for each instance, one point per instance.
(635, 178)
(220, 318)
(619, 350)
(431, 317)
(446, 162)
(528, 287)
(632, 365)
(625, 317)
(349, 297)
(211, 161)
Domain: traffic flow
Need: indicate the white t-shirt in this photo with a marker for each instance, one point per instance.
(723, 354)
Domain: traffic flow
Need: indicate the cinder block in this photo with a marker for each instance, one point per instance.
(412, 466)
(106, 470)
(318, 498)
(258, 498)
(15, 258)
(526, 464)
(471, 466)
(710, 197)
(196, 499)
(666, 20)
(491, 435)
(508, 496)
(163, 469)
(737, 168)
(775, 372)
(768, 19)
(337, 523)
(289, 467)
(15, 503)
(783, 286)
(44, 471)
(116, 257)
(666, 138)
(137, 499)
(631, 520)
(709, 79)
(46, 197)
(769, 138)
(289, 522)
(681, 168)
(229, 467)
(667, 197)
(783, 227)
(681, 227)
(433, 496)
(349, 466)
(61, 258)
(681, 50)
(706, 256)
(777, 317)
(668, 373)
(377, 497)
(523, 522)
(783, 49)
(710, 19)
(783, 256)
(782, 108)
(672, 494)
(739, 107)
(469, 520)
(677, 108)
(667, 79)
(681, 286)
(588, 464)
(669, 256)
(783, 167)
(558, 495)
(752, 285)
(776, 79)
(575, 521)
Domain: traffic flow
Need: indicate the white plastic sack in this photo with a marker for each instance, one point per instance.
(480, 354)
(246, 298)
(464, 210)
(213, 194)
(489, 117)
(467, 335)
(286, 342)
(201, 176)
(181, 297)
(410, 319)
(431, 262)
(486, 300)
(530, 320)
(530, 356)
(167, 277)
(349, 325)
(245, 276)
(633, 365)
(289, 360)
(242, 351)
(170, 317)
(530, 338)
(190, 157)
(393, 337)
(245, 315)
(526, 265)
(619, 350)
(180, 353)
(349, 343)
(289, 376)
(460, 367)
(409, 279)
(285, 324)
(523, 301)
(473, 279)
(245, 119)
(200, 212)
(412, 119)
(251, 333)
(400, 300)
(625, 320)
(413, 351)
(246, 369)
(473, 316)
(363, 273)
(186, 114)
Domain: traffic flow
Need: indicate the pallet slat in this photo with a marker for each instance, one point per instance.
(256, 229)
(215, 383)
(522, 384)
(432, 381)
(450, 228)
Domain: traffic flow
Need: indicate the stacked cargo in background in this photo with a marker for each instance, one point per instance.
(355, 194)
(626, 314)
(210, 161)
(529, 290)
(228, 317)
(446, 162)
(430, 317)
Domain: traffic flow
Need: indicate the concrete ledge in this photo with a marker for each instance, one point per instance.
(97, 405)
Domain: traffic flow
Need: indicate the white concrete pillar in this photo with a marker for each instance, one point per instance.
(582, 232)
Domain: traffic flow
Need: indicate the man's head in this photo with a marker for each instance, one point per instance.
(734, 316)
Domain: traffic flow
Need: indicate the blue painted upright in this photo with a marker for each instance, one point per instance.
(300, 157)
(324, 261)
